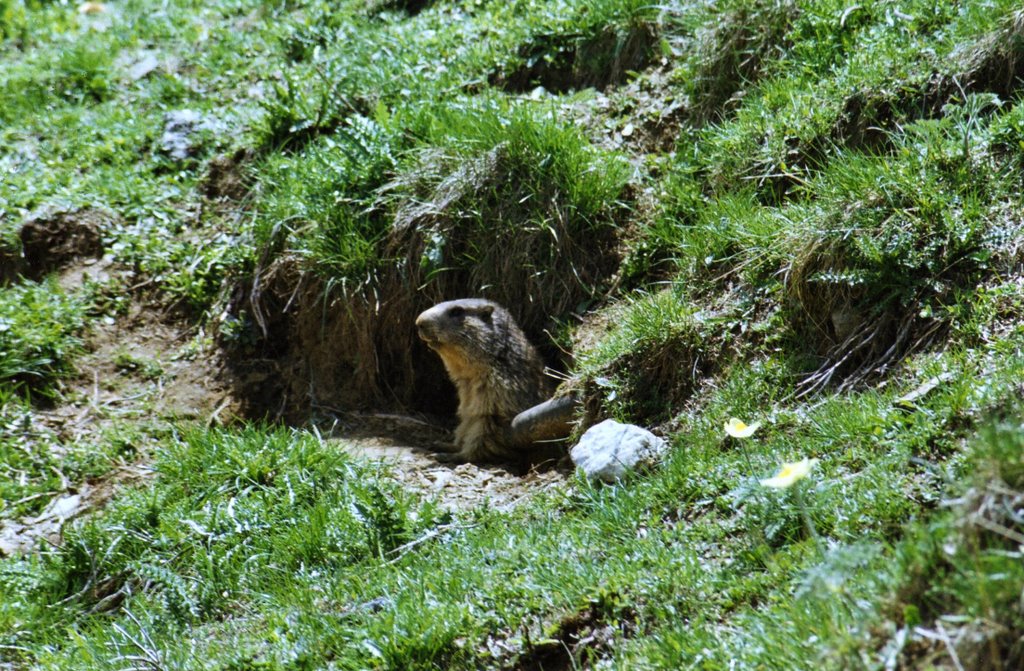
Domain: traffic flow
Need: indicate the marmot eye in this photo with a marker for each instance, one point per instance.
(456, 312)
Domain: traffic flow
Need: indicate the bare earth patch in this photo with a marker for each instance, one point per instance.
(410, 446)
(456, 487)
(138, 369)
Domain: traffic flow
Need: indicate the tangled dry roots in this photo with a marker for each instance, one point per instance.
(855, 336)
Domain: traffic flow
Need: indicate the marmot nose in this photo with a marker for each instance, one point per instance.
(423, 319)
(423, 329)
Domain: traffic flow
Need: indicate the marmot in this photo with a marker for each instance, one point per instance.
(496, 371)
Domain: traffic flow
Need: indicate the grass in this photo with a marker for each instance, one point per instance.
(659, 352)
(39, 335)
(812, 223)
(544, 199)
(537, 162)
(38, 462)
(282, 534)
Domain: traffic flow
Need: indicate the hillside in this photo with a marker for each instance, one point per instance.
(219, 221)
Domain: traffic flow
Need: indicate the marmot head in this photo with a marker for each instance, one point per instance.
(467, 323)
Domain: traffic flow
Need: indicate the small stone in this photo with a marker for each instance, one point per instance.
(146, 64)
(609, 450)
(179, 126)
(63, 508)
(181, 137)
(441, 479)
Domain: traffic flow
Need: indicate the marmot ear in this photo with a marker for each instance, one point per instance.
(486, 311)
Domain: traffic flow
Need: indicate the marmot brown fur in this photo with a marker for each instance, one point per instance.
(496, 371)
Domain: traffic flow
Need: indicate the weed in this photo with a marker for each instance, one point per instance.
(147, 368)
(39, 329)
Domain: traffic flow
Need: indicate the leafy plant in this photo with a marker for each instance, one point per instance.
(39, 329)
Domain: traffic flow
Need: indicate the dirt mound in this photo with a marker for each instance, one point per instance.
(226, 178)
(296, 343)
(53, 240)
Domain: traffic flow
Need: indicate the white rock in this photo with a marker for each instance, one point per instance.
(607, 451)
(146, 64)
(62, 508)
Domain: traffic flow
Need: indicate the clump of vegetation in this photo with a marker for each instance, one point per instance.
(959, 574)
(493, 200)
(188, 544)
(655, 356)
(735, 44)
(515, 204)
(906, 237)
(601, 57)
(322, 196)
(39, 335)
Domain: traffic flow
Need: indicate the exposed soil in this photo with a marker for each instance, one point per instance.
(20, 536)
(53, 240)
(575, 639)
(139, 367)
(226, 178)
(410, 445)
(643, 116)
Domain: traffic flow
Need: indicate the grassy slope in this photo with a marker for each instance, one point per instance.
(869, 169)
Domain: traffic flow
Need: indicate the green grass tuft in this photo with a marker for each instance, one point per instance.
(657, 353)
(39, 334)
